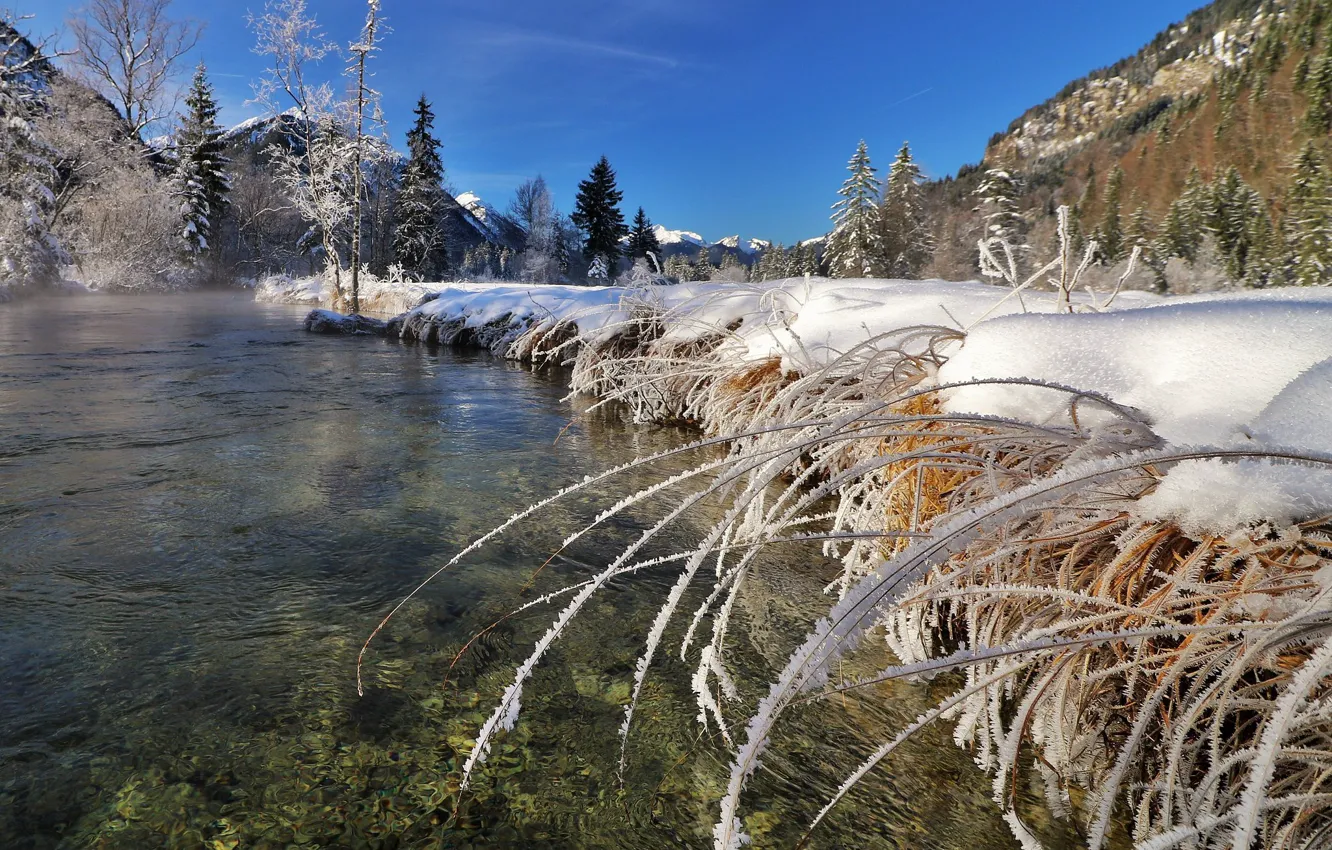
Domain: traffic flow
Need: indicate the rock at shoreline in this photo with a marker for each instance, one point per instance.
(328, 322)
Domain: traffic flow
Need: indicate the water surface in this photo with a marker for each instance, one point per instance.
(204, 512)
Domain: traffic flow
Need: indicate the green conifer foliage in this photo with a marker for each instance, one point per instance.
(1308, 220)
(907, 242)
(201, 179)
(855, 248)
(1109, 233)
(643, 239)
(419, 245)
(597, 214)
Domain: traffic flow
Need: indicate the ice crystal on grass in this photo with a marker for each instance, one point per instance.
(1109, 519)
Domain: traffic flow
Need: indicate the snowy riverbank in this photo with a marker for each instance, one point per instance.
(1113, 518)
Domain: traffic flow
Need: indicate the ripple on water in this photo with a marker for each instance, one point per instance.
(195, 541)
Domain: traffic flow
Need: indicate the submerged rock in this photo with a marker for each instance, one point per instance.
(328, 322)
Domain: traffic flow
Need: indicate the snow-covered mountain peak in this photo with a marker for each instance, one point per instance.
(676, 237)
(477, 207)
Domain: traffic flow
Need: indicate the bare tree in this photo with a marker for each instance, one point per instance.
(131, 50)
(361, 51)
(315, 174)
(530, 195)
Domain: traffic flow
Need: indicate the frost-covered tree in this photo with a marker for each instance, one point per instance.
(1109, 233)
(1182, 231)
(598, 271)
(907, 243)
(418, 241)
(998, 194)
(809, 260)
(1240, 224)
(679, 267)
(703, 267)
(597, 214)
(317, 171)
(365, 99)
(534, 209)
(1308, 221)
(527, 198)
(1317, 86)
(855, 248)
(643, 240)
(29, 252)
(201, 182)
(130, 50)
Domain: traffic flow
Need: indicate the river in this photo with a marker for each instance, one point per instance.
(205, 511)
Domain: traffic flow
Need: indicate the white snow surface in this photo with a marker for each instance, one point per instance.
(1238, 372)
(1200, 370)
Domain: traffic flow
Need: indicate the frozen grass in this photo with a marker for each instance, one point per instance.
(1128, 620)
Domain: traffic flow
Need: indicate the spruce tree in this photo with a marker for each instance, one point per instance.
(1240, 223)
(907, 243)
(855, 248)
(1308, 222)
(597, 214)
(1317, 87)
(643, 240)
(703, 267)
(998, 194)
(418, 243)
(201, 179)
(1109, 233)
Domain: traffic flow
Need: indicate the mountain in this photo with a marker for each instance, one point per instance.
(1238, 85)
(493, 226)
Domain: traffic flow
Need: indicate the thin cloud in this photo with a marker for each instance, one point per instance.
(578, 45)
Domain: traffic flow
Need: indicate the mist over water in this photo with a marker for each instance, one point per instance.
(205, 511)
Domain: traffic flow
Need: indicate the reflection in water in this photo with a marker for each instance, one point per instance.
(203, 512)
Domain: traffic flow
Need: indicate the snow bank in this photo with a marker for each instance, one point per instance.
(285, 289)
(1239, 372)
(1199, 371)
(385, 297)
(807, 322)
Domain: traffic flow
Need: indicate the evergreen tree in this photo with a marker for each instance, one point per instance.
(201, 179)
(703, 267)
(1182, 232)
(418, 244)
(1308, 221)
(1109, 233)
(998, 194)
(1317, 87)
(809, 260)
(597, 214)
(1141, 233)
(598, 272)
(855, 248)
(643, 240)
(1240, 223)
(907, 243)
(679, 268)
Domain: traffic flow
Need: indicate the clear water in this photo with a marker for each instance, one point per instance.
(204, 512)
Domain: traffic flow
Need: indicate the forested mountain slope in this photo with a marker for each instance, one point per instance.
(1209, 148)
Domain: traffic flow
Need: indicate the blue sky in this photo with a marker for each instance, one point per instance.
(720, 116)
